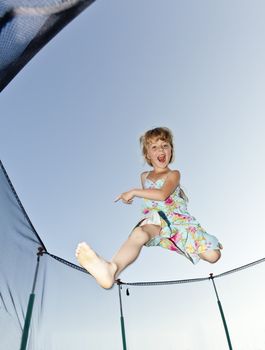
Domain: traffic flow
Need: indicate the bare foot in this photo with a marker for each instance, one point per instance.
(102, 270)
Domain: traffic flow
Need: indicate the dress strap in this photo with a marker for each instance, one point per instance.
(163, 178)
(146, 176)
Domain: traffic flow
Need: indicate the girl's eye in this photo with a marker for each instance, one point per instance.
(165, 146)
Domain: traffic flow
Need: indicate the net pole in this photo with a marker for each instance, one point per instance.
(122, 318)
(222, 314)
(25, 333)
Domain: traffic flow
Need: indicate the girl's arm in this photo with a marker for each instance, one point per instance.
(155, 194)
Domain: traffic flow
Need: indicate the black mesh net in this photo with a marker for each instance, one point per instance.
(56, 322)
(66, 314)
(19, 244)
(26, 26)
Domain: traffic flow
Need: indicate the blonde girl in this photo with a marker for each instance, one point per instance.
(165, 221)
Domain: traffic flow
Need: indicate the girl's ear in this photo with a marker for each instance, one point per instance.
(147, 157)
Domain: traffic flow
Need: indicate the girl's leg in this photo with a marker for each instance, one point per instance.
(211, 256)
(131, 249)
(106, 272)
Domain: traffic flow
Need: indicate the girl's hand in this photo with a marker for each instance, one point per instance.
(126, 197)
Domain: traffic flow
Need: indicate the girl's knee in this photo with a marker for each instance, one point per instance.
(211, 256)
(138, 235)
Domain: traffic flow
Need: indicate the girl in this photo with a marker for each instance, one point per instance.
(166, 221)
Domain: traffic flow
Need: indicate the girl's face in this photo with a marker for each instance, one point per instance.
(159, 153)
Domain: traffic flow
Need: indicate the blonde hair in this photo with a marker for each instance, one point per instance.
(153, 135)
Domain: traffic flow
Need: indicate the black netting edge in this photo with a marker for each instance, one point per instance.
(161, 283)
(68, 263)
(240, 268)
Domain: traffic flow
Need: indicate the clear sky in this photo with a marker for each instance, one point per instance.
(69, 129)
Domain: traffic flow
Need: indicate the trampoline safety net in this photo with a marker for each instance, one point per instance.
(26, 26)
(65, 314)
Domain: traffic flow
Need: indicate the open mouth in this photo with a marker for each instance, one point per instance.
(162, 158)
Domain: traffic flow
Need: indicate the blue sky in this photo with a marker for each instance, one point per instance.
(70, 124)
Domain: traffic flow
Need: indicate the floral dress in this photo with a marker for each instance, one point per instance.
(180, 232)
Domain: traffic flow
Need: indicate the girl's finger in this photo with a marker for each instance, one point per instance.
(127, 201)
(117, 199)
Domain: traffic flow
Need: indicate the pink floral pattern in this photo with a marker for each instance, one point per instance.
(184, 235)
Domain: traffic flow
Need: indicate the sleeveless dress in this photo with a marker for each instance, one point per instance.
(180, 232)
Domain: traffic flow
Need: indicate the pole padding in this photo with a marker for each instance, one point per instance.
(222, 314)
(124, 347)
(25, 334)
